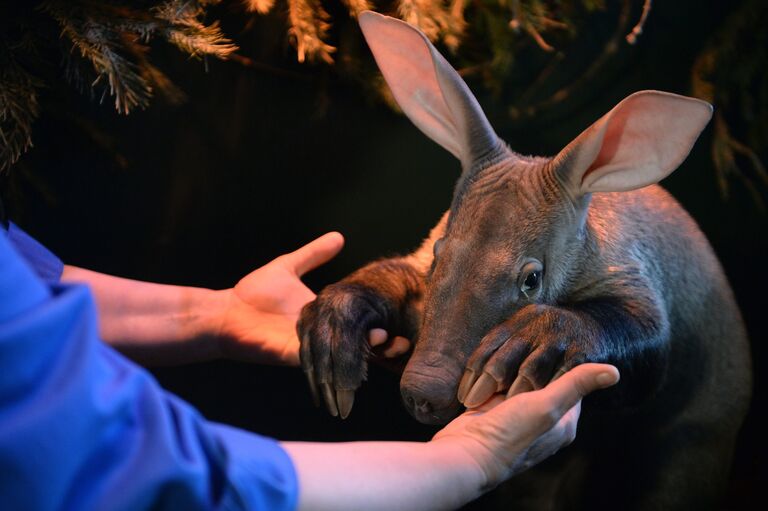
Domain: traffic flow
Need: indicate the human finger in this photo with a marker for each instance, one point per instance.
(314, 253)
(562, 394)
(556, 438)
(377, 337)
(398, 346)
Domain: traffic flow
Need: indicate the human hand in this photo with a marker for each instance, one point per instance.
(259, 322)
(506, 437)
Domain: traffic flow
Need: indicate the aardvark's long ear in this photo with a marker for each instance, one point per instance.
(428, 89)
(641, 141)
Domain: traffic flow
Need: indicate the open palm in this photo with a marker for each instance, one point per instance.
(260, 322)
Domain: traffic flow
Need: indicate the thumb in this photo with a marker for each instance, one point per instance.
(565, 392)
(314, 253)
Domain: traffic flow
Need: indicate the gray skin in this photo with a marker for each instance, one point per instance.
(625, 276)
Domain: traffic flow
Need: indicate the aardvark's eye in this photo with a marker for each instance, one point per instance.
(530, 278)
(532, 281)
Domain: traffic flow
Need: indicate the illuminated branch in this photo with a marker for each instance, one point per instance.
(260, 6)
(18, 110)
(428, 15)
(515, 23)
(355, 7)
(520, 20)
(309, 24)
(457, 24)
(638, 29)
(538, 38)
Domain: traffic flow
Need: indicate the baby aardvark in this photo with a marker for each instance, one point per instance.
(544, 263)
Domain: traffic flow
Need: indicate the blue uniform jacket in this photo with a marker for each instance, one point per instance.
(82, 427)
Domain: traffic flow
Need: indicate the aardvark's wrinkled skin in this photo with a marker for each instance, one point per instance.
(544, 263)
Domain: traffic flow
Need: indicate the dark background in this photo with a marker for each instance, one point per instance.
(257, 162)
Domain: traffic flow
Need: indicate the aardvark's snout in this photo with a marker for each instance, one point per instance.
(429, 385)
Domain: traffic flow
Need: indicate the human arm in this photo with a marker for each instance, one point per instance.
(471, 455)
(166, 324)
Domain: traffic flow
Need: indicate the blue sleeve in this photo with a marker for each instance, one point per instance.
(44, 263)
(81, 427)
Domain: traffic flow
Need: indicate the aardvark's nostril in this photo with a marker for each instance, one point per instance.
(417, 403)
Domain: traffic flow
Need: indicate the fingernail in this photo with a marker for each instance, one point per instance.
(606, 379)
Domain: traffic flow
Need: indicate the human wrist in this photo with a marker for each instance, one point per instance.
(470, 478)
(205, 311)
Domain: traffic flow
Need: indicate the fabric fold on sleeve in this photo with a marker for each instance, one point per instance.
(82, 427)
(44, 262)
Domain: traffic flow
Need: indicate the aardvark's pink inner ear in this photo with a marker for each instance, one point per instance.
(428, 89)
(641, 141)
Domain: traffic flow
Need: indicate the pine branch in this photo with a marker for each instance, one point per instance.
(355, 7)
(110, 35)
(309, 27)
(18, 110)
(637, 30)
(429, 16)
(104, 48)
(98, 45)
(184, 29)
(260, 6)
